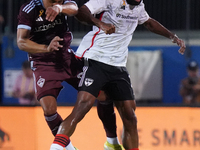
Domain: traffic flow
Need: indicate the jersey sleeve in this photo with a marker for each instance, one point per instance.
(25, 18)
(96, 6)
(143, 17)
(69, 1)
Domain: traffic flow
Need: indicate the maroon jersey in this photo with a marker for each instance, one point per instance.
(32, 17)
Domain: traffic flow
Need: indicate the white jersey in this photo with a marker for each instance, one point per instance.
(112, 49)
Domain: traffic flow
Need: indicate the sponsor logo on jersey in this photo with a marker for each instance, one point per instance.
(48, 26)
(41, 82)
(88, 81)
(126, 17)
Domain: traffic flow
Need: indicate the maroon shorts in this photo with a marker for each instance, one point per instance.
(48, 76)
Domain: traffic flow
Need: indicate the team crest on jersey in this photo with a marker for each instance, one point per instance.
(88, 81)
(123, 5)
(41, 82)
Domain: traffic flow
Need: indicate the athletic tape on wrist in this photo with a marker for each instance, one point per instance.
(60, 7)
(173, 39)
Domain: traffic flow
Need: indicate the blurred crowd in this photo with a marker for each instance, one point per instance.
(190, 86)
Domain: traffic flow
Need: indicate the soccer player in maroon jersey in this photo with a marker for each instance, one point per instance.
(43, 33)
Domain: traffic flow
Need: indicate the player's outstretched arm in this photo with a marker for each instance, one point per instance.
(84, 16)
(29, 46)
(69, 9)
(155, 27)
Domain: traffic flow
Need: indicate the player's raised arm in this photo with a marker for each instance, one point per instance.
(155, 27)
(69, 9)
(84, 16)
(29, 46)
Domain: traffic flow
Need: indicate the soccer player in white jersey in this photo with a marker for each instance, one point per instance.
(105, 50)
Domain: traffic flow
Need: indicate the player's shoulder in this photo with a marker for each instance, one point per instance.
(30, 6)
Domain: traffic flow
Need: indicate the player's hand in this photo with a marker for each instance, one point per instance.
(180, 43)
(55, 45)
(107, 28)
(51, 13)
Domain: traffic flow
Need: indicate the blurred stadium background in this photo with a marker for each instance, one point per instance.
(155, 66)
(180, 16)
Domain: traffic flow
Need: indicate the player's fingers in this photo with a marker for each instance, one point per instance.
(181, 43)
(49, 14)
(111, 30)
(58, 45)
(181, 50)
(55, 46)
(52, 16)
(57, 38)
(60, 39)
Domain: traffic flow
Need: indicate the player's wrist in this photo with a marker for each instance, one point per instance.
(59, 7)
(46, 48)
(174, 38)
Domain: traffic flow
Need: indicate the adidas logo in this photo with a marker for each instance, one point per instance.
(39, 19)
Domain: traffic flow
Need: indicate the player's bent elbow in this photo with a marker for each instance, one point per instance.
(21, 44)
